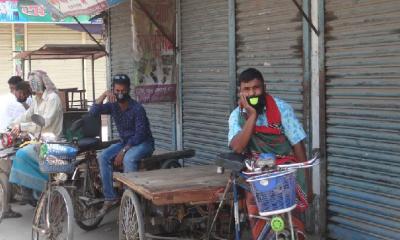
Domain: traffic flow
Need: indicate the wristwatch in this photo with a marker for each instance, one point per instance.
(124, 150)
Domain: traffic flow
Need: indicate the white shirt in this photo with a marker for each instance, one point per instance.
(50, 108)
(10, 109)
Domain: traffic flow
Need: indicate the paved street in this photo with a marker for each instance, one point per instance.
(20, 228)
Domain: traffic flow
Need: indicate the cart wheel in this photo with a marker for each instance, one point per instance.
(3, 194)
(53, 216)
(131, 222)
(172, 163)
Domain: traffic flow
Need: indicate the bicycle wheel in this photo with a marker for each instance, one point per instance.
(53, 216)
(131, 222)
(3, 194)
(85, 202)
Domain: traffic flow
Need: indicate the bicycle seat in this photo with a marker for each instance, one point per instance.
(88, 143)
(230, 160)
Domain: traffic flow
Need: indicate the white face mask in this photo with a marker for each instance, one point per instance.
(37, 85)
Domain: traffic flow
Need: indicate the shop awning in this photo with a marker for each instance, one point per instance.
(64, 51)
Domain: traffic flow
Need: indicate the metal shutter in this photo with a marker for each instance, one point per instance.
(205, 77)
(6, 62)
(269, 38)
(363, 118)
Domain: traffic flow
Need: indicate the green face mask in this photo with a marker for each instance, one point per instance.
(253, 101)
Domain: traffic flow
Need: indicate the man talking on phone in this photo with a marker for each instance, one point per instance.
(136, 140)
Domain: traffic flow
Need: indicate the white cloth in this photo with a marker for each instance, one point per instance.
(10, 109)
(50, 108)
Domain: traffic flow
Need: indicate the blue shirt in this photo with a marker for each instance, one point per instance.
(132, 124)
(290, 124)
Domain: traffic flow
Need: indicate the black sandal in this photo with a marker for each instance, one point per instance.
(12, 214)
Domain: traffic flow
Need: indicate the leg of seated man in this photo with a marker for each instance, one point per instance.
(135, 154)
(106, 161)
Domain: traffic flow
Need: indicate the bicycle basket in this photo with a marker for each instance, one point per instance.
(57, 158)
(275, 192)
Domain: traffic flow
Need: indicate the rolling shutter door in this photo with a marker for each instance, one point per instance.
(6, 62)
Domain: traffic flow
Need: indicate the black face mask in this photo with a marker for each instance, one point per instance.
(122, 97)
(21, 100)
(257, 102)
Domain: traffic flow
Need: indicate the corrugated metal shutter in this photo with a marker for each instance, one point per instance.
(6, 62)
(363, 118)
(205, 77)
(160, 114)
(269, 38)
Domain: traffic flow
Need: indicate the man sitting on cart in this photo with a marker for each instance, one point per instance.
(134, 130)
(263, 124)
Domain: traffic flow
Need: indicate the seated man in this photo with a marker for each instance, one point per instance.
(134, 130)
(46, 103)
(12, 107)
(263, 124)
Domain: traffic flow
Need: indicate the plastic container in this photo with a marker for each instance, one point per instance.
(57, 158)
(274, 192)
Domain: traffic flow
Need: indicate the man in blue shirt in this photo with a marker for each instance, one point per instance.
(134, 130)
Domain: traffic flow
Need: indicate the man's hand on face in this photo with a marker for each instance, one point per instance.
(251, 111)
(110, 96)
(119, 158)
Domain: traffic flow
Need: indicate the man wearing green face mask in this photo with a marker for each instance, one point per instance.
(264, 124)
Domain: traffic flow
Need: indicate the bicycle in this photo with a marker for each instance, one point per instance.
(274, 192)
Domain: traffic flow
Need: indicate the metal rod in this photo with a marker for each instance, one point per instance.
(30, 63)
(232, 53)
(306, 17)
(94, 96)
(154, 22)
(90, 35)
(228, 186)
(83, 73)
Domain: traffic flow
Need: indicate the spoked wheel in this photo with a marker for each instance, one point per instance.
(131, 222)
(53, 216)
(3, 194)
(85, 202)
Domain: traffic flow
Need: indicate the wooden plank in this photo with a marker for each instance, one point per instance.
(178, 185)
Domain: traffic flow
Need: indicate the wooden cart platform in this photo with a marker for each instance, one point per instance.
(193, 185)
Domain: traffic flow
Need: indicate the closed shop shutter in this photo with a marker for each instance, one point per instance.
(6, 62)
(159, 114)
(269, 38)
(363, 118)
(205, 77)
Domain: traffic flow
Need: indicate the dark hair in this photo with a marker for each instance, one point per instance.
(250, 74)
(14, 80)
(24, 86)
(121, 79)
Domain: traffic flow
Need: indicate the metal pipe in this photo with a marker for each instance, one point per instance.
(94, 96)
(162, 30)
(323, 164)
(179, 95)
(306, 17)
(90, 35)
(232, 53)
(83, 73)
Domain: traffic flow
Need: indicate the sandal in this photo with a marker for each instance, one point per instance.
(12, 214)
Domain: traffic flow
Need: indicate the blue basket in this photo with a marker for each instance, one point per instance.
(275, 192)
(57, 158)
